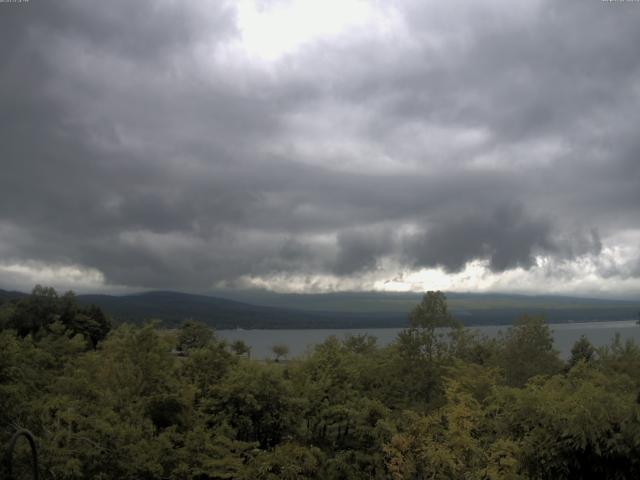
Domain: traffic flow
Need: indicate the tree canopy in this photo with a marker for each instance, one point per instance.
(440, 402)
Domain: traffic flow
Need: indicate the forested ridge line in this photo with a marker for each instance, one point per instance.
(440, 402)
(269, 310)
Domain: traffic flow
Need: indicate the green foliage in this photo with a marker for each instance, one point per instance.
(256, 401)
(287, 461)
(36, 314)
(582, 351)
(621, 358)
(442, 445)
(421, 351)
(583, 425)
(239, 347)
(280, 350)
(527, 350)
(436, 404)
(204, 368)
(361, 344)
(432, 312)
(193, 335)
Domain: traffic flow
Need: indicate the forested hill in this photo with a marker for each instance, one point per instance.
(173, 307)
(403, 301)
(11, 295)
(350, 310)
(343, 310)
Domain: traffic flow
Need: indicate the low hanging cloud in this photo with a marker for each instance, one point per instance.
(506, 237)
(186, 145)
(359, 251)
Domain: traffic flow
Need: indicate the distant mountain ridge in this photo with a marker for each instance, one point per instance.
(174, 307)
(404, 301)
(259, 309)
(470, 308)
(11, 295)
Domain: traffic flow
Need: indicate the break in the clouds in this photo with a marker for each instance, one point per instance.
(299, 145)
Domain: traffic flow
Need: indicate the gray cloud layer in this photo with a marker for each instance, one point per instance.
(136, 141)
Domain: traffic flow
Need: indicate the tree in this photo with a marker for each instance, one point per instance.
(280, 350)
(90, 322)
(360, 344)
(527, 350)
(35, 312)
(256, 401)
(582, 350)
(620, 357)
(573, 426)
(239, 347)
(7, 312)
(205, 367)
(432, 312)
(288, 461)
(34, 315)
(442, 445)
(193, 335)
(420, 350)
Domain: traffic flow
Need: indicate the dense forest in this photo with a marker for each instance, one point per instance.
(141, 402)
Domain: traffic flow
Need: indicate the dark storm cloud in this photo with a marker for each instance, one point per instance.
(504, 236)
(146, 30)
(131, 145)
(360, 250)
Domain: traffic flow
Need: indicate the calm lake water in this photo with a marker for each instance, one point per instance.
(301, 341)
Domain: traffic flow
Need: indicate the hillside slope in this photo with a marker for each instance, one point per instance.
(173, 307)
(343, 310)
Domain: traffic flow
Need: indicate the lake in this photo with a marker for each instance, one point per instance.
(300, 341)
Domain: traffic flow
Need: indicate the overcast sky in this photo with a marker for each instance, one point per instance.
(324, 145)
